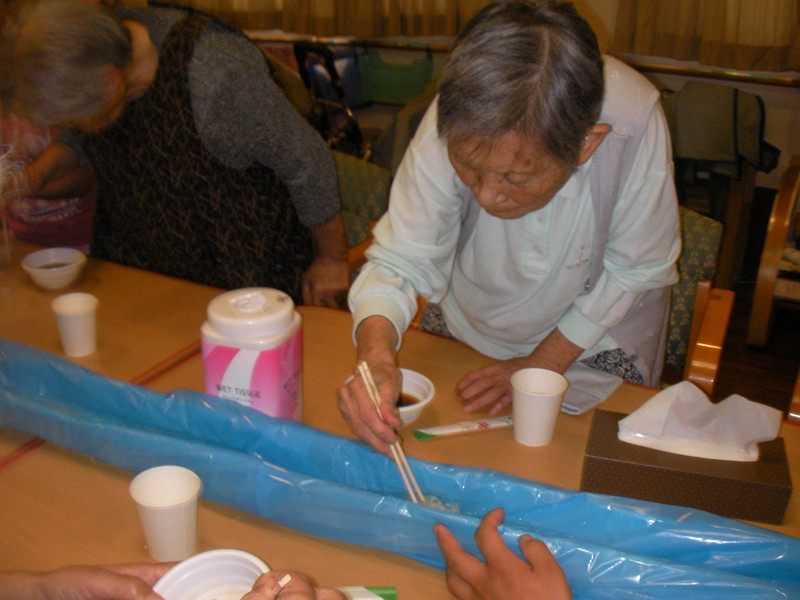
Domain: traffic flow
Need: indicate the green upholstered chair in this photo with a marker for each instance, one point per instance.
(364, 191)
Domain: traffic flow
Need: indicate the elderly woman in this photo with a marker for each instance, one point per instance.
(534, 209)
(205, 170)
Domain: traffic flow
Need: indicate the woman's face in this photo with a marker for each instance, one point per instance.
(509, 178)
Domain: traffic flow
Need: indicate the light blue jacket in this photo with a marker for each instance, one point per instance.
(596, 262)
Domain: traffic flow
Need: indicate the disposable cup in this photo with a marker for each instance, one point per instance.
(76, 315)
(166, 498)
(536, 398)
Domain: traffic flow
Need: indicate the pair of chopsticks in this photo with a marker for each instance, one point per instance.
(414, 492)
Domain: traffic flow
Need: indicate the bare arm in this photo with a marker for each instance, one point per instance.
(376, 340)
(122, 582)
(491, 385)
(57, 173)
(327, 280)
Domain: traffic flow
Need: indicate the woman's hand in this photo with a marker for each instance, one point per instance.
(356, 406)
(503, 575)
(268, 587)
(325, 282)
(376, 339)
(490, 386)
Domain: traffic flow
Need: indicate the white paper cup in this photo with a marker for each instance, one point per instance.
(166, 497)
(76, 315)
(216, 574)
(537, 395)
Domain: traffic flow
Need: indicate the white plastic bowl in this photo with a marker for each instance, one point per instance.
(420, 387)
(54, 268)
(213, 575)
(417, 386)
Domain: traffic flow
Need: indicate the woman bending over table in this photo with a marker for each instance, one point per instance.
(204, 169)
(534, 210)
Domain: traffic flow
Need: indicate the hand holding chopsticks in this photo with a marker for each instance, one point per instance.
(399, 456)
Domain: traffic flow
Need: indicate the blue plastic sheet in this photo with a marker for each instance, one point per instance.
(332, 487)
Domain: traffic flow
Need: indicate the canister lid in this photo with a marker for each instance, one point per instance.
(251, 313)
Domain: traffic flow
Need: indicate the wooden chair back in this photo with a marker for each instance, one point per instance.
(771, 284)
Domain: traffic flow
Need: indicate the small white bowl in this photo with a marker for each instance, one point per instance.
(417, 386)
(54, 268)
(213, 575)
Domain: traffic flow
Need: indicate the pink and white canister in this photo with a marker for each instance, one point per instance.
(253, 351)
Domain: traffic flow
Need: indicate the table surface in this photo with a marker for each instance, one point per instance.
(329, 358)
(143, 318)
(59, 507)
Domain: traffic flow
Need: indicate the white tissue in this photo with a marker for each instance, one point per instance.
(682, 420)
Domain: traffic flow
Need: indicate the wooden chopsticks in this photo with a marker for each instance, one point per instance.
(414, 491)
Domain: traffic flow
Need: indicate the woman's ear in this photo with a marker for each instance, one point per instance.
(592, 140)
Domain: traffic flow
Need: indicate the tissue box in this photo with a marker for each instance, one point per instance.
(752, 491)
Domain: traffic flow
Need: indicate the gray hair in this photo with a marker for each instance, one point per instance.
(525, 67)
(55, 57)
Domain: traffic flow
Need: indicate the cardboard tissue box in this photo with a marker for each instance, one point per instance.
(752, 491)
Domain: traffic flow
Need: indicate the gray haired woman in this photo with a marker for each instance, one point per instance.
(535, 212)
(205, 170)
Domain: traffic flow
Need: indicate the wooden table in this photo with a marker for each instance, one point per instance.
(329, 358)
(144, 319)
(58, 507)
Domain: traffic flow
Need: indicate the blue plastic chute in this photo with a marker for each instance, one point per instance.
(609, 547)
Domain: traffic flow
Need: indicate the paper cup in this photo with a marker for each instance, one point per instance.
(537, 395)
(166, 497)
(218, 574)
(76, 315)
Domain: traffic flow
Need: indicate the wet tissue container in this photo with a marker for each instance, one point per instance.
(252, 351)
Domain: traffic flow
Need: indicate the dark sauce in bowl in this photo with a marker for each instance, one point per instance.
(406, 400)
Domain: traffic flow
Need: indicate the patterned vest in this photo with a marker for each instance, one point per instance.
(167, 205)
